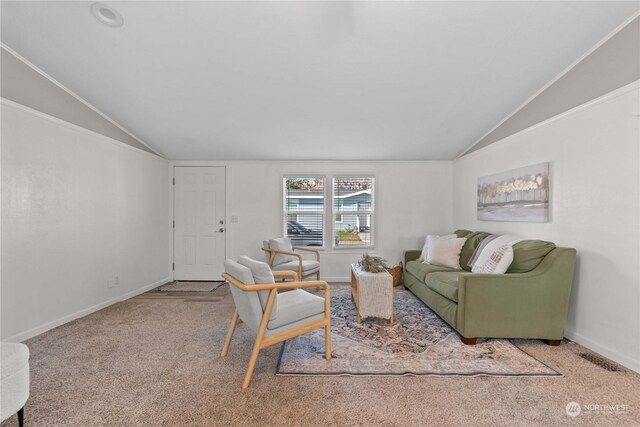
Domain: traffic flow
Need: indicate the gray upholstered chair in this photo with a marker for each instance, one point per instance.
(14, 380)
(274, 317)
(281, 256)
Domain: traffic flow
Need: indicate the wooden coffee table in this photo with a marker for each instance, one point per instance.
(372, 294)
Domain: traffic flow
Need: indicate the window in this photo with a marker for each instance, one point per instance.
(353, 211)
(304, 210)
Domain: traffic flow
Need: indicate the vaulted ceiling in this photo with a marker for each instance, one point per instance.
(308, 80)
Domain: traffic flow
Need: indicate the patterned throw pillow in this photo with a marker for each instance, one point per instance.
(478, 250)
(496, 255)
(497, 263)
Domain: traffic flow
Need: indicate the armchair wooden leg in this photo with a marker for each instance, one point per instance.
(232, 328)
(327, 341)
(252, 362)
(327, 326)
(318, 275)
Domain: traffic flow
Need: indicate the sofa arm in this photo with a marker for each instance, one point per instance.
(411, 256)
(519, 305)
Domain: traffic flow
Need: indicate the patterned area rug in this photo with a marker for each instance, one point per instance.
(419, 343)
(191, 286)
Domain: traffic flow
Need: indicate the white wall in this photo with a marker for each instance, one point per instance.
(595, 208)
(412, 199)
(78, 209)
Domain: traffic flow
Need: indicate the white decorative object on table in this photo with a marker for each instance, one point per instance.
(372, 293)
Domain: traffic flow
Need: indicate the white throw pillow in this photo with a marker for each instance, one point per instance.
(445, 252)
(282, 244)
(425, 248)
(496, 256)
(497, 263)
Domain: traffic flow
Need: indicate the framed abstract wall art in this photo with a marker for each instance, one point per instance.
(519, 195)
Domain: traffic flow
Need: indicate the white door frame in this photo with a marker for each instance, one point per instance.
(172, 175)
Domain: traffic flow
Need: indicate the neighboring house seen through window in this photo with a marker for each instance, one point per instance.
(306, 207)
(304, 210)
(353, 205)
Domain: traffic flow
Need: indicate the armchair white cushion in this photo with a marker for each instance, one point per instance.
(14, 379)
(281, 244)
(248, 305)
(294, 306)
(261, 273)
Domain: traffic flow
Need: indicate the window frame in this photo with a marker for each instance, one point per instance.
(334, 212)
(324, 205)
(328, 229)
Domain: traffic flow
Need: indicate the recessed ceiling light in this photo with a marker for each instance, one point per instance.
(107, 15)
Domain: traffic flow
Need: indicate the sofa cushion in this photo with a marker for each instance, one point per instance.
(462, 233)
(473, 240)
(527, 254)
(420, 269)
(444, 283)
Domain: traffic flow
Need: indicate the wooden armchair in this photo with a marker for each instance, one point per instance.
(282, 256)
(274, 317)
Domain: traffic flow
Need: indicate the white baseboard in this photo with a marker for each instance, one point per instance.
(626, 361)
(23, 336)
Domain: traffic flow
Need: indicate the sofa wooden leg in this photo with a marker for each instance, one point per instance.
(553, 343)
(469, 341)
(21, 417)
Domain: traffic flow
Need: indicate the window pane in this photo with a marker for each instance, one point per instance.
(353, 211)
(304, 210)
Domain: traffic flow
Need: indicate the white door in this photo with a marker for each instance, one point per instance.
(199, 213)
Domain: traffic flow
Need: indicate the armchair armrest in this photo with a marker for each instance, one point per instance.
(411, 256)
(276, 286)
(531, 305)
(300, 248)
(274, 252)
(286, 275)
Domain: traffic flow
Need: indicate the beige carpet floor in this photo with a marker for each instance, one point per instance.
(154, 361)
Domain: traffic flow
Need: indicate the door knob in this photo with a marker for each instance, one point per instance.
(221, 230)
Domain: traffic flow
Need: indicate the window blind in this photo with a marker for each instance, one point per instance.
(353, 211)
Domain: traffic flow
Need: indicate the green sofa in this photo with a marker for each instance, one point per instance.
(529, 301)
